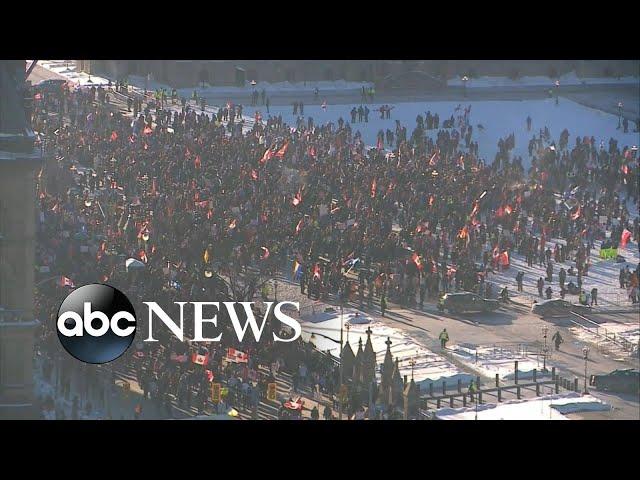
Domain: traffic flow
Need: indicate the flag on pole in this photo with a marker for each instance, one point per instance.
(66, 282)
(114, 136)
(575, 215)
(268, 154)
(236, 356)
(200, 359)
(280, 153)
(475, 209)
(297, 199)
(625, 237)
(415, 258)
(178, 358)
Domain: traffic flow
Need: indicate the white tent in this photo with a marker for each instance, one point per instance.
(133, 264)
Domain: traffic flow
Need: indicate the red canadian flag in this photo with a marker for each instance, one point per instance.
(576, 214)
(114, 136)
(178, 358)
(280, 153)
(199, 359)
(415, 258)
(66, 282)
(625, 237)
(236, 356)
(268, 154)
(297, 199)
(316, 271)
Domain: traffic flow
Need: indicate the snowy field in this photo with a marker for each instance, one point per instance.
(499, 118)
(603, 274)
(568, 79)
(491, 360)
(549, 407)
(429, 367)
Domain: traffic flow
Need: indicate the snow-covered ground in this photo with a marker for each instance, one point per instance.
(603, 274)
(491, 360)
(429, 367)
(499, 118)
(549, 407)
(568, 79)
(611, 335)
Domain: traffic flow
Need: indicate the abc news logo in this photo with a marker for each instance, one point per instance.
(97, 323)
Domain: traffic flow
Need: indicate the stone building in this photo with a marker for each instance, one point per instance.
(19, 160)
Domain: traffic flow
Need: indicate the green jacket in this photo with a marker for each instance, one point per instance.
(444, 336)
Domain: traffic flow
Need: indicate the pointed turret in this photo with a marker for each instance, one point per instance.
(357, 366)
(368, 361)
(347, 360)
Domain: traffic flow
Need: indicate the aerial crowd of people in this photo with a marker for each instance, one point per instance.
(217, 205)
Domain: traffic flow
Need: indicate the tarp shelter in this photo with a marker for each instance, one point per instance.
(133, 264)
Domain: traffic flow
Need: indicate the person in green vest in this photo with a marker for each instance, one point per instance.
(383, 305)
(444, 338)
(472, 390)
(583, 298)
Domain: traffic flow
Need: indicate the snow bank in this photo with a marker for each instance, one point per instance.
(549, 407)
(492, 360)
(568, 79)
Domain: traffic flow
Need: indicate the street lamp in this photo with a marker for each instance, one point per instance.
(341, 341)
(465, 79)
(557, 90)
(585, 353)
(545, 350)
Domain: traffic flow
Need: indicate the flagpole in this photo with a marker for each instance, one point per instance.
(340, 390)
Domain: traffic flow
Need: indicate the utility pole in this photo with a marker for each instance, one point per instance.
(341, 341)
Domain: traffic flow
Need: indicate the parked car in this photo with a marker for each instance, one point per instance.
(557, 307)
(468, 302)
(623, 381)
